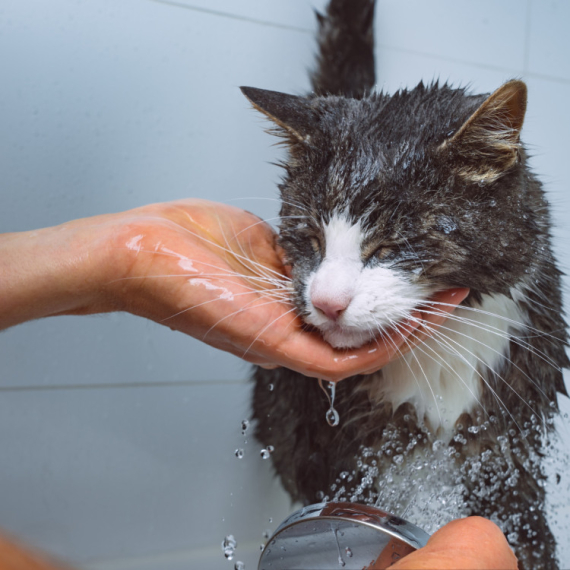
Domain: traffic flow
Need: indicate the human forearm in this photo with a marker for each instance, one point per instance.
(54, 271)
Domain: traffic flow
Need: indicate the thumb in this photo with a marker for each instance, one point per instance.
(463, 544)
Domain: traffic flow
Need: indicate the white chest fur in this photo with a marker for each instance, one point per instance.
(446, 375)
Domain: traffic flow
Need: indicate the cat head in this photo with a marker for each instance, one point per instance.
(388, 199)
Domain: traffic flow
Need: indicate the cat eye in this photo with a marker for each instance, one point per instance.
(376, 252)
(383, 252)
(316, 244)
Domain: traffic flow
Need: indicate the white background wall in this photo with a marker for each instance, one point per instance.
(117, 435)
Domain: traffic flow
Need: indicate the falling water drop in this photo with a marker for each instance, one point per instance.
(266, 453)
(239, 453)
(244, 426)
(348, 552)
(239, 565)
(229, 546)
(332, 417)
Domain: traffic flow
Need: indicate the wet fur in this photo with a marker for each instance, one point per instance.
(440, 181)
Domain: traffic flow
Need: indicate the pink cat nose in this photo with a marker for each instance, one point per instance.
(332, 308)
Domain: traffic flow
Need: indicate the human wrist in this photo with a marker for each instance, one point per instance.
(54, 271)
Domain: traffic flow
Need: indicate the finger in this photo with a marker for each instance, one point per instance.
(463, 544)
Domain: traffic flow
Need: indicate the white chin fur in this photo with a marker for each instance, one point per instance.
(342, 338)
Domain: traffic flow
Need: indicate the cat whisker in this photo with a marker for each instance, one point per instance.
(447, 339)
(289, 202)
(480, 342)
(394, 325)
(236, 255)
(205, 303)
(498, 332)
(264, 221)
(241, 310)
(516, 323)
(440, 359)
(265, 328)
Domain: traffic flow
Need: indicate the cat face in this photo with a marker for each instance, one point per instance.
(387, 200)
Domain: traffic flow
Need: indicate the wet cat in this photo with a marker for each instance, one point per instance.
(387, 199)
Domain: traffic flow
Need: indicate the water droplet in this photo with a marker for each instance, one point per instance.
(398, 459)
(270, 387)
(239, 453)
(341, 562)
(348, 552)
(229, 545)
(333, 418)
(244, 426)
(446, 224)
(239, 565)
(266, 533)
(265, 453)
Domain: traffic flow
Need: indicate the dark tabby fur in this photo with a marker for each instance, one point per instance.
(420, 159)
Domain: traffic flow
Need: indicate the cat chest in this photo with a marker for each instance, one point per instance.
(447, 374)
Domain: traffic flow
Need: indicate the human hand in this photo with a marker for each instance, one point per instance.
(209, 270)
(463, 544)
(212, 271)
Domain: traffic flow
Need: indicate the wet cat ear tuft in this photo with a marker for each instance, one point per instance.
(291, 113)
(489, 141)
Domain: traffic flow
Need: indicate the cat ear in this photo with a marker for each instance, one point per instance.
(291, 113)
(489, 141)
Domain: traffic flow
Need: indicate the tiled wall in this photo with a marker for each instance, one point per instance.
(117, 435)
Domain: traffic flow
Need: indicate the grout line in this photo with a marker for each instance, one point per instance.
(552, 78)
(448, 59)
(507, 70)
(126, 385)
(178, 4)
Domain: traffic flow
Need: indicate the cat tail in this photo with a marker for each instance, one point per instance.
(345, 62)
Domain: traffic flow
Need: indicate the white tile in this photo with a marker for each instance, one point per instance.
(549, 41)
(111, 474)
(546, 125)
(108, 349)
(111, 105)
(484, 32)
